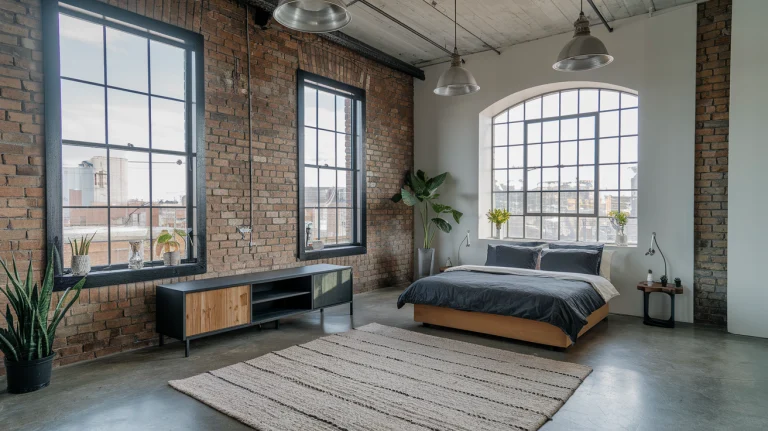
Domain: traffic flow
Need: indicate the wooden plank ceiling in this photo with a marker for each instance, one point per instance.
(499, 23)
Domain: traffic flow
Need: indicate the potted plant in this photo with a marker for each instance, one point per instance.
(420, 191)
(619, 220)
(498, 217)
(28, 339)
(168, 244)
(81, 261)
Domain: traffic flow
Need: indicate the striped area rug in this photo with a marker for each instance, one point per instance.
(382, 378)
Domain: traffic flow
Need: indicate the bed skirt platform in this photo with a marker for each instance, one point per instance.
(503, 326)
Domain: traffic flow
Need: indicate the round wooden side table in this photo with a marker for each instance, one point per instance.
(669, 289)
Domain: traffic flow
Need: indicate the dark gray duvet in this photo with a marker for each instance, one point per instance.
(562, 303)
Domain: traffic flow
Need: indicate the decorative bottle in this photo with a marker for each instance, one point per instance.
(649, 279)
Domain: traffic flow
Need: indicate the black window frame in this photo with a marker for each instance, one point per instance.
(596, 163)
(151, 29)
(358, 245)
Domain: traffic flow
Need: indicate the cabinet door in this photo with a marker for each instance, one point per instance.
(213, 310)
(330, 289)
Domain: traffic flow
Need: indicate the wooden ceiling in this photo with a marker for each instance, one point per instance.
(498, 23)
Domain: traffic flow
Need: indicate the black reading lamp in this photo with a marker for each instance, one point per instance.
(651, 251)
(466, 238)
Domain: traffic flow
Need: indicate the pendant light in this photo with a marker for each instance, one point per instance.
(456, 81)
(312, 16)
(584, 51)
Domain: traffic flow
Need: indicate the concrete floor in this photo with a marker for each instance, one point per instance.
(644, 378)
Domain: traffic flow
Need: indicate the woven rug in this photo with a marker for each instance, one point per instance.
(382, 378)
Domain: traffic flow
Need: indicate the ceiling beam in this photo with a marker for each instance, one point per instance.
(353, 44)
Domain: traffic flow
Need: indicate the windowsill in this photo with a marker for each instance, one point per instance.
(514, 240)
(123, 276)
(325, 253)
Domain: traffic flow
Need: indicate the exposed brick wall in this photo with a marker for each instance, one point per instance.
(713, 64)
(118, 318)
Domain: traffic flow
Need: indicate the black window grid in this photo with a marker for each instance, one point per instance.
(539, 216)
(104, 15)
(356, 196)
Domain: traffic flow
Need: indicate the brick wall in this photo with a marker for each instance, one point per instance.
(713, 63)
(118, 318)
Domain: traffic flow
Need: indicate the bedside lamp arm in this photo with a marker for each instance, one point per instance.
(466, 238)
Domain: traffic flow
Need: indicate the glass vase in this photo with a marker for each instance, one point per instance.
(136, 255)
(621, 237)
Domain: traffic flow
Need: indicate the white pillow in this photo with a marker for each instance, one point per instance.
(605, 265)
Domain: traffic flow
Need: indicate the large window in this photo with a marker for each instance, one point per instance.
(331, 169)
(562, 161)
(124, 139)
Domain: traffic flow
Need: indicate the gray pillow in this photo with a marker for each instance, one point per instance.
(582, 261)
(513, 256)
(490, 257)
(581, 246)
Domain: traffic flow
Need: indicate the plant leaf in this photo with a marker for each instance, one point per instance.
(421, 175)
(397, 198)
(408, 198)
(419, 187)
(442, 224)
(457, 215)
(439, 208)
(436, 182)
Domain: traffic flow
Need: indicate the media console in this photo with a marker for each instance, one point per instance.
(196, 309)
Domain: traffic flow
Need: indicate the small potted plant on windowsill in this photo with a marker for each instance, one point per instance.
(498, 217)
(619, 220)
(168, 244)
(27, 341)
(81, 261)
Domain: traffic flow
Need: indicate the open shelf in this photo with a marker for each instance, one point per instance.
(259, 297)
(272, 314)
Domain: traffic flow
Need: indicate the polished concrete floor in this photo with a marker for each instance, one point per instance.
(644, 378)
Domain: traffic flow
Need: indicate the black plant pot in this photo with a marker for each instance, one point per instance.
(28, 376)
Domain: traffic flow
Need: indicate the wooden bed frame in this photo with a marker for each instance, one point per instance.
(504, 326)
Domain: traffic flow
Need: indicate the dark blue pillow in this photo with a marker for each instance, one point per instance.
(513, 256)
(490, 257)
(581, 246)
(582, 261)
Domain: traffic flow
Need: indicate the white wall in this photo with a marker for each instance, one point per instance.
(653, 56)
(748, 151)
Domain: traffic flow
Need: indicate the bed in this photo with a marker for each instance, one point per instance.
(544, 307)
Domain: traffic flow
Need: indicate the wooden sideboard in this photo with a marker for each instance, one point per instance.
(196, 309)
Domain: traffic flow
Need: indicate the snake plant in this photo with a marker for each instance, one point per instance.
(30, 334)
(83, 247)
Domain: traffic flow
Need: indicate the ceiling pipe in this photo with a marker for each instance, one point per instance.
(602, 18)
(404, 25)
(487, 45)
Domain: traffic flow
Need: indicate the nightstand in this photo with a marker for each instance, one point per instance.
(669, 289)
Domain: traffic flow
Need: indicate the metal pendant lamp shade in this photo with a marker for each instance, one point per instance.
(456, 81)
(583, 52)
(312, 16)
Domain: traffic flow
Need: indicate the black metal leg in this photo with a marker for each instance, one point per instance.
(351, 309)
(648, 320)
(186, 349)
(162, 339)
(321, 310)
(277, 324)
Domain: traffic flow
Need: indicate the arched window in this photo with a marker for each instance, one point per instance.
(563, 160)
